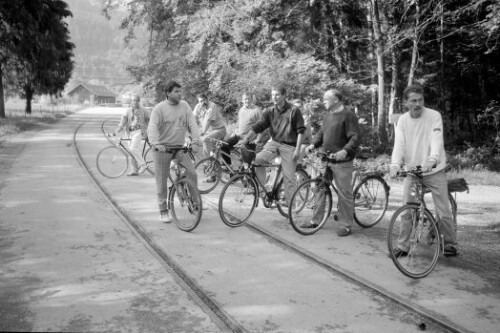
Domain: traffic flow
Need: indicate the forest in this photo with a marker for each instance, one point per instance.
(369, 49)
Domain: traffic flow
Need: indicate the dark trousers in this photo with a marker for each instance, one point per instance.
(231, 142)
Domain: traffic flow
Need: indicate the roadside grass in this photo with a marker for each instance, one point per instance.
(17, 121)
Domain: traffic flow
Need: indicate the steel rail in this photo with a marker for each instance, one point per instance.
(210, 306)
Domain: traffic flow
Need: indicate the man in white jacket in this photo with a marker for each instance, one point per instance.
(419, 141)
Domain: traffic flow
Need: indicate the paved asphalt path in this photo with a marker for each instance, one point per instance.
(69, 263)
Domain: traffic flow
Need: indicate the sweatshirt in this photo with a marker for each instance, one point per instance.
(418, 140)
(168, 124)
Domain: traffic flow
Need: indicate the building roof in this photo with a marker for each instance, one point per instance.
(96, 90)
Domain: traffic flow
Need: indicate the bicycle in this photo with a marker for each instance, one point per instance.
(113, 161)
(184, 199)
(426, 241)
(240, 195)
(215, 166)
(371, 197)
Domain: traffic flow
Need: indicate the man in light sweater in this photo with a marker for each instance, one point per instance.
(248, 116)
(135, 122)
(419, 142)
(167, 128)
(209, 118)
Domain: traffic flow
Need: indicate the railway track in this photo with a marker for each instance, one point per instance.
(425, 317)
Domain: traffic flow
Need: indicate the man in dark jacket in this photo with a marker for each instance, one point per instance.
(287, 127)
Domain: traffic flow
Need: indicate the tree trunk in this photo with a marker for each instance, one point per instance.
(28, 91)
(382, 116)
(393, 101)
(2, 102)
(414, 52)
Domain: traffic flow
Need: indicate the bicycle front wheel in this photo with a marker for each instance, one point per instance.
(281, 202)
(148, 159)
(112, 162)
(209, 173)
(310, 206)
(371, 198)
(415, 231)
(185, 204)
(238, 200)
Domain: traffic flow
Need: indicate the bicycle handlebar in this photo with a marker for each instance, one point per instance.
(326, 156)
(168, 149)
(416, 171)
(220, 142)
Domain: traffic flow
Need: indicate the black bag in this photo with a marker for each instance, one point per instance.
(457, 185)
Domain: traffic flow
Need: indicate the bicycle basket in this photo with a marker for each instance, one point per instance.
(458, 185)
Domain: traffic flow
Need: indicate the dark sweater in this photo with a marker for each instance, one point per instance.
(339, 132)
(285, 124)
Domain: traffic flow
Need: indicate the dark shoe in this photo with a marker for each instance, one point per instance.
(344, 232)
(210, 179)
(398, 253)
(132, 173)
(308, 225)
(450, 251)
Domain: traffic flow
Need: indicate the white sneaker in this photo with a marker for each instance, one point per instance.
(165, 217)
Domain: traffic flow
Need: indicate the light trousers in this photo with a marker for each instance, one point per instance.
(270, 151)
(438, 184)
(342, 175)
(162, 171)
(135, 149)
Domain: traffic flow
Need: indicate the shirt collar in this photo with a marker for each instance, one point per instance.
(283, 109)
(337, 110)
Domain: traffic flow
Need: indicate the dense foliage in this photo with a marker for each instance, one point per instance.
(35, 52)
(370, 49)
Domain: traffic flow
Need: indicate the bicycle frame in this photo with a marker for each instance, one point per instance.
(417, 189)
(218, 152)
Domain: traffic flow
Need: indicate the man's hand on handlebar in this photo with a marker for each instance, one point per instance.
(394, 172)
(309, 149)
(161, 148)
(195, 145)
(340, 155)
(429, 165)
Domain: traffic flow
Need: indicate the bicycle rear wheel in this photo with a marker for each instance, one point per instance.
(148, 159)
(310, 206)
(185, 204)
(238, 200)
(371, 198)
(209, 174)
(112, 162)
(424, 241)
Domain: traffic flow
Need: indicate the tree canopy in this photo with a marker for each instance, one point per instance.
(369, 49)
